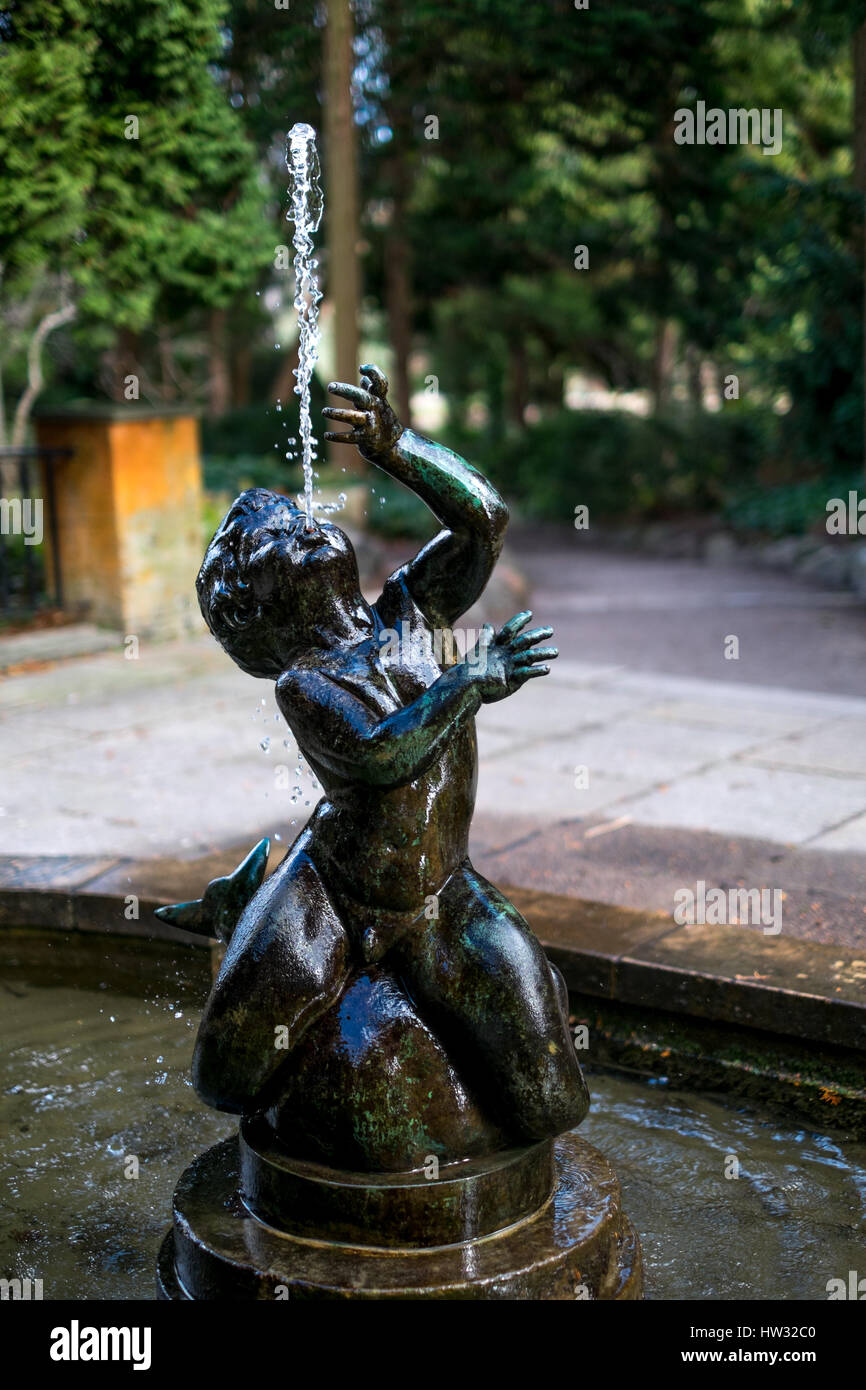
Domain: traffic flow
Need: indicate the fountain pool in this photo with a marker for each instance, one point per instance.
(97, 1033)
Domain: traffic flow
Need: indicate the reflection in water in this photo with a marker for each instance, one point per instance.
(96, 1073)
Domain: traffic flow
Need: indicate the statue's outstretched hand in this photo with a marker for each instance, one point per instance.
(501, 664)
(375, 428)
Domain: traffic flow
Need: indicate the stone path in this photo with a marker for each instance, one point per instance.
(621, 780)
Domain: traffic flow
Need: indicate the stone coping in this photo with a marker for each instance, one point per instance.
(732, 975)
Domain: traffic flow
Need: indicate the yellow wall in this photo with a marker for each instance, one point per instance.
(129, 505)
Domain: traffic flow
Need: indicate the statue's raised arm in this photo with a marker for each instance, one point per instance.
(447, 576)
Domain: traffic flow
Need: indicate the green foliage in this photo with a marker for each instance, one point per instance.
(793, 509)
(141, 224)
(395, 512)
(622, 465)
(555, 129)
(23, 565)
(250, 429)
(44, 138)
(258, 429)
(233, 472)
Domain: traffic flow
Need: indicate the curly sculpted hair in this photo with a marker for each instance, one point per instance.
(226, 592)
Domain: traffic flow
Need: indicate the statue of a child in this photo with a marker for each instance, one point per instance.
(389, 732)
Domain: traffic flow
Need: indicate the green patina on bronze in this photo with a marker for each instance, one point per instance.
(379, 1001)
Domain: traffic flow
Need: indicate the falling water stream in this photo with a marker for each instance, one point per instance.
(305, 211)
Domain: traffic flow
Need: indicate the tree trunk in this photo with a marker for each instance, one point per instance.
(242, 367)
(2, 392)
(398, 304)
(343, 279)
(694, 368)
(859, 47)
(219, 383)
(119, 362)
(663, 362)
(518, 392)
(167, 378)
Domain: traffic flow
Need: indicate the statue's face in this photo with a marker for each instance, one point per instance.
(305, 572)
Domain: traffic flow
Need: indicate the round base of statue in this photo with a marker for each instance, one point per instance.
(544, 1222)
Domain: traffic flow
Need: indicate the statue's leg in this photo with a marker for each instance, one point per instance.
(287, 963)
(482, 980)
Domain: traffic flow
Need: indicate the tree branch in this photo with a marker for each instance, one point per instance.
(35, 378)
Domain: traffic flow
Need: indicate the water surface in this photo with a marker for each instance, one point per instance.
(96, 1044)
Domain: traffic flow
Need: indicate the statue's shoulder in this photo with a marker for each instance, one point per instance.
(310, 685)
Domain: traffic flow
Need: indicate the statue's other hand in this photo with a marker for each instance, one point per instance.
(501, 664)
(375, 428)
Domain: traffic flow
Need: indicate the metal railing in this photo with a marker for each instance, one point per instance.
(23, 586)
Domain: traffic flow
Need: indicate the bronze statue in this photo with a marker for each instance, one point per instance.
(376, 973)
(384, 1021)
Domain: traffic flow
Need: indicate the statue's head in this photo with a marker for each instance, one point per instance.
(267, 582)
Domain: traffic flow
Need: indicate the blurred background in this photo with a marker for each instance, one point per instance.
(468, 152)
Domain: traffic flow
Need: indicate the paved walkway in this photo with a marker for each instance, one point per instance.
(617, 779)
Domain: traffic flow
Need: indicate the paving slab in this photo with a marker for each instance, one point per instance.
(837, 747)
(525, 780)
(55, 644)
(549, 707)
(756, 721)
(740, 798)
(642, 750)
(850, 835)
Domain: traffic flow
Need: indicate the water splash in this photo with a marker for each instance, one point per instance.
(305, 211)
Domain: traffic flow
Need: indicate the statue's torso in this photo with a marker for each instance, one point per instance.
(393, 846)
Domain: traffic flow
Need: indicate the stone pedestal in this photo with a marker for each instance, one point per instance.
(129, 515)
(251, 1222)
